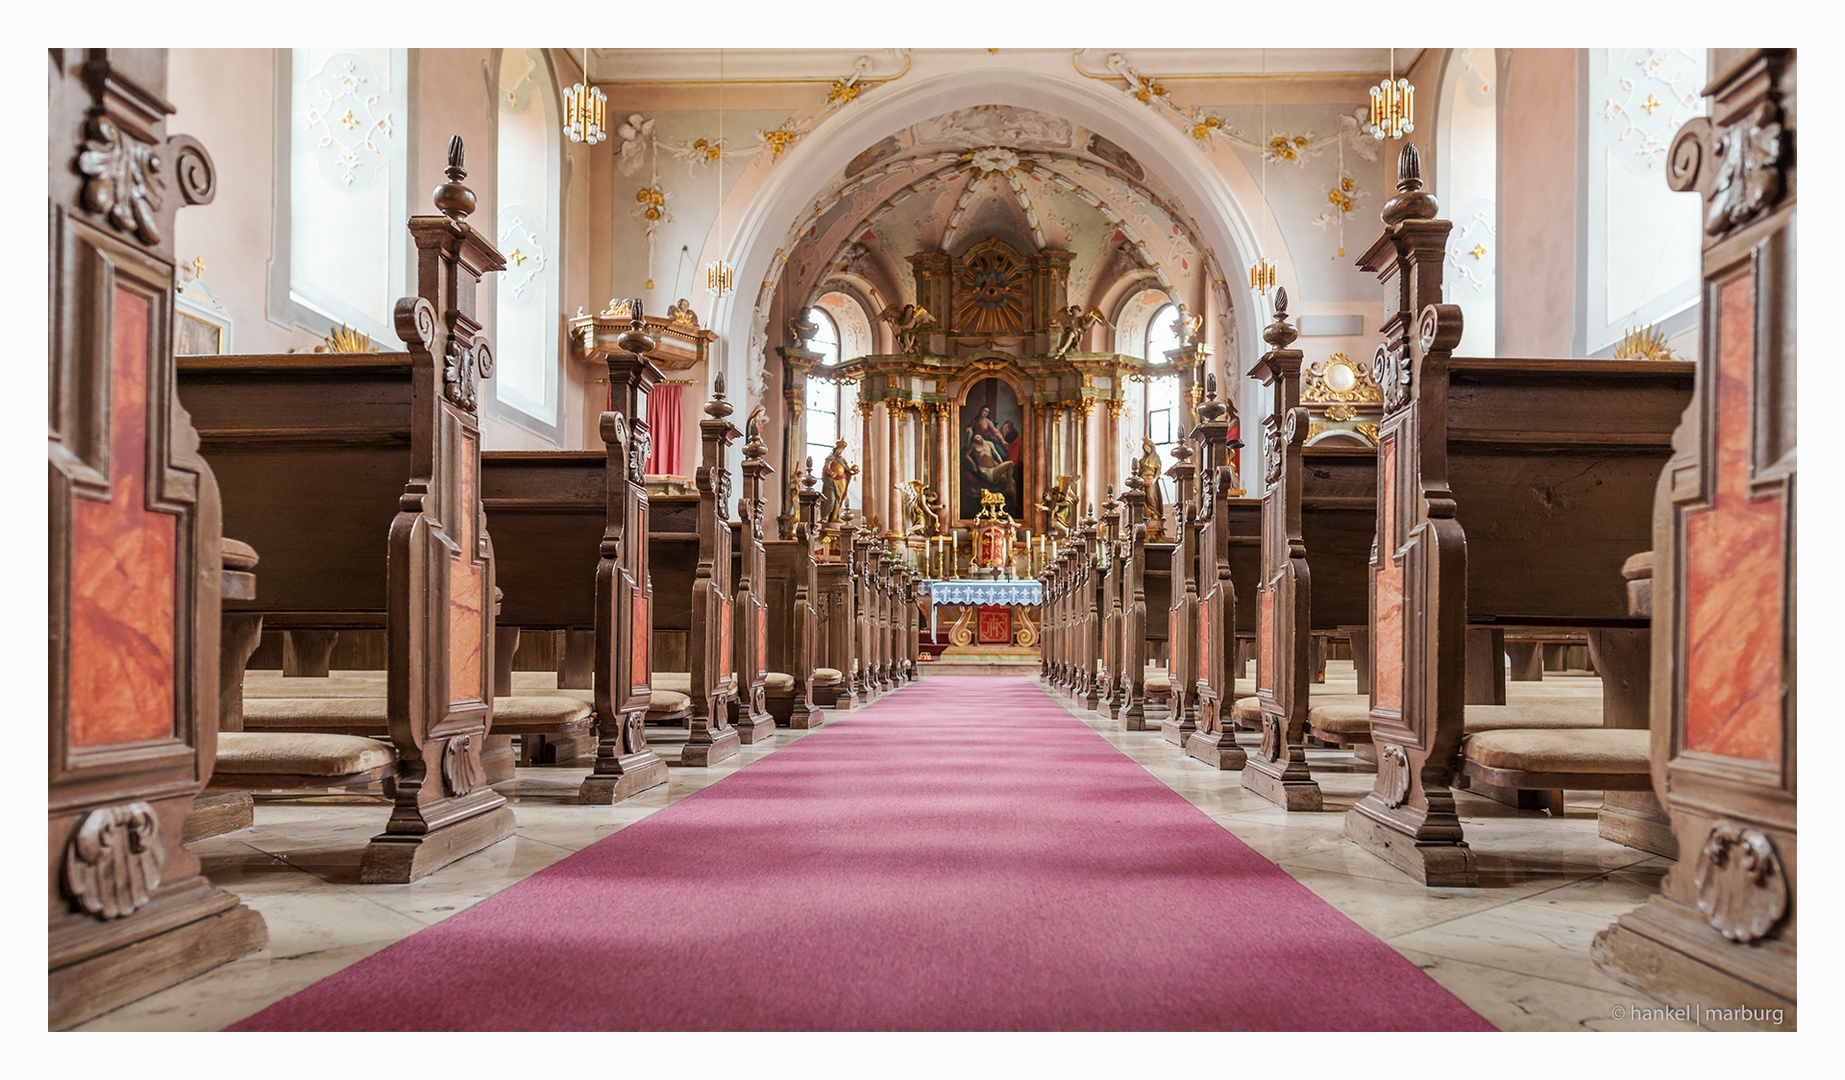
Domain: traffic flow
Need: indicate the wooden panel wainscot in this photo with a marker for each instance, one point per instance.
(134, 548)
(1722, 933)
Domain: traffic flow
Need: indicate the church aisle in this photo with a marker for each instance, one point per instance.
(962, 855)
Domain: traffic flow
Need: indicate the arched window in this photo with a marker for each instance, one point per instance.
(844, 334)
(1641, 238)
(1467, 150)
(526, 306)
(1152, 321)
(342, 136)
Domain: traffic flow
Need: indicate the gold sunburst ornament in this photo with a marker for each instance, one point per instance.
(1644, 343)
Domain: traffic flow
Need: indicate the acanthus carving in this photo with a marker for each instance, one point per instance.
(1393, 775)
(125, 183)
(1392, 367)
(112, 863)
(461, 767)
(461, 363)
(638, 452)
(1271, 433)
(1742, 890)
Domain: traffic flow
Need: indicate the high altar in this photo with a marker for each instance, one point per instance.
(993, 410)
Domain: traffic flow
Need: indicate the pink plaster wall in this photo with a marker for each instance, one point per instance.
(1537, 202)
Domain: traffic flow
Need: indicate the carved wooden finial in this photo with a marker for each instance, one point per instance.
(635, 339)
(454, 198)
(808, 483)
(718, 408)
(1411, 202)
(1279, 334)
(1212, 410)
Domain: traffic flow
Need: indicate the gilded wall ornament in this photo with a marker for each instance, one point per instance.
(112, 862)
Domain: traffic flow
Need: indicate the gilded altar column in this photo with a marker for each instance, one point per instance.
(867, 481)
(893, 469)
(1079, 453)
(1113, 444)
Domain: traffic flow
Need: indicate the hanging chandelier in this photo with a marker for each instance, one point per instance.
(586, 111)
(720, 276)
(1393, 105)
(1262, 276)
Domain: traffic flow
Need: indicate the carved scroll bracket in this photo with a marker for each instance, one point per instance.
(1742, 890)
(112, 863)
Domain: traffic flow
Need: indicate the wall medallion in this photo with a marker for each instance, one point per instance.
(112, 863)
(1742, 890)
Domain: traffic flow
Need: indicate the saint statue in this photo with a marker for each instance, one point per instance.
(922, 509)
(1149, 468)
(835, 476)
(1060, 504)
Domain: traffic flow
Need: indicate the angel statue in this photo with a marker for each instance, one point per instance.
(909, 321)
(1074, 320)
(1060, 504)
(1149, 468)
(835, 476)
(1187, 326)
(922, 509)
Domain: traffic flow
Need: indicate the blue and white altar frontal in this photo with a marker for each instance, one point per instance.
(1025, 593)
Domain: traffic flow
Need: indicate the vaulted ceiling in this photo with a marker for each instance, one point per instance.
(1034, 180)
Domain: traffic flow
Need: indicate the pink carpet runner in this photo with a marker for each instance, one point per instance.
(964, 855)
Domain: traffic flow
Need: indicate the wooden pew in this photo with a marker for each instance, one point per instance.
(1130, 699)
(837, 613)
(792, 596)
(1182, 608)
(1087, 643)
(1111, 571)
(749, 707)
(1156, 587)
(1547, 459)
(322, 454)
(134, 558)
(688, 554)
(1278, 770)
(1723, 930)
(570, 546)
(1223, 558)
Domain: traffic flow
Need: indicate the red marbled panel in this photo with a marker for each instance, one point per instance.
(1265, 637)
(1734, 571)
(721, 610)
(123, 565)
(640, 630)
(1387, 592)
(467, 589)
(762, 639)
(1204, 639)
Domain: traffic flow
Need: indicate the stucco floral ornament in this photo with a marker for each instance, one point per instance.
(994, 159)
(635, 133)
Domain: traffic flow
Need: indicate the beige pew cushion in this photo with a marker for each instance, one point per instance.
(1347, 720)
(1248, 709)
(340, 684)
(826, 676)
(778, 682)
(367, 715)
(1533, 717)
(680, 682)
(1594, 750)
(667, 701)
(257, 753)
(1159, 684)
(539, 712)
